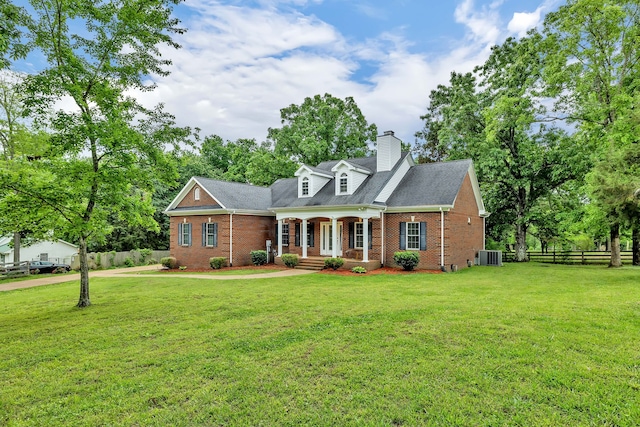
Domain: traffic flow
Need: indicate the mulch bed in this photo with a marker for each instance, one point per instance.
(341, 272)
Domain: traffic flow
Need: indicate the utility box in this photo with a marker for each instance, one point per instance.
(492, 258)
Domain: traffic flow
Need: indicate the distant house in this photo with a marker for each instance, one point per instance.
(57, 251)
(361, 209)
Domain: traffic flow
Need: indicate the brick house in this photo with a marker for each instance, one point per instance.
(362, 209)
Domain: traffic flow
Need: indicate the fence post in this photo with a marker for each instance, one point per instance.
(583, 260)
(554, 255)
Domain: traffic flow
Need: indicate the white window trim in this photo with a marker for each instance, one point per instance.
(344, 176)
(285, 232)
(186, 232)
(417, 248)
(210, 231)
(305, 180)
(356, 234)
(196, 193)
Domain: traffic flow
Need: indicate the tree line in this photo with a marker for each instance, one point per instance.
(549, 119)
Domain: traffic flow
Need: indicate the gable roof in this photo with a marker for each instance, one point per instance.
(230, 195)
(438, 184)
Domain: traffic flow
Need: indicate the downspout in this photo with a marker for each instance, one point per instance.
(383, 251)
(231, 239)
(441, 238)
(484, 232)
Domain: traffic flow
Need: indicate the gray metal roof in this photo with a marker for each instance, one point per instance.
(430, 184)
(236, 195)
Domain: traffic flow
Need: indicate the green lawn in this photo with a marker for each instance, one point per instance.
(519, 345)
(223, 272)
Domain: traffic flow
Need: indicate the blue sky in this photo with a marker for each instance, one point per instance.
(242, 61)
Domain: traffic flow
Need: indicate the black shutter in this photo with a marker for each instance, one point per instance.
(297, 238)
(403, 236)
(215, 234)
(310, 230)
(180, 234)
(204, 234)
(370, 228)
(351, 235)
(423, 236)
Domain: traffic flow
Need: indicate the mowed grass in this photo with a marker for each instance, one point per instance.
(519, 345)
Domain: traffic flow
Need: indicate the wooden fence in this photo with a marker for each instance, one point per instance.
(15, 268)
(572, 257)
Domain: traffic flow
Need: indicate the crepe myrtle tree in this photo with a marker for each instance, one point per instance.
(107, 150)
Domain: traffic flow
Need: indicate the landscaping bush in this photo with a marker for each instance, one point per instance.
(183, 267)
(128, 262)
(334, 263)
(217, 262)
(358, 269)
(259, 257)
(169, 262)
(144, 255)
(407, 259)
(290, 260)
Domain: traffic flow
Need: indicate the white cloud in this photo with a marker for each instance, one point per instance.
(240, 65)
(524, 21)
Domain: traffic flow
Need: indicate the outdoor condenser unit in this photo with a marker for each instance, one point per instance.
(493, 258)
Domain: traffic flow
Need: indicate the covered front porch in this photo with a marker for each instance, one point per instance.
(352, 233)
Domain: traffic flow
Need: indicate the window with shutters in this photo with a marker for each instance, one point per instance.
(184, 234)
(210, 234)
(413, 236)
(285, 234)
(359, 239)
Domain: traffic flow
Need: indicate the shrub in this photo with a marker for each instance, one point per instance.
(259, 257)
(217, 262)
(358, 269)
(183, 267)
(334, 263)
(144, 255)
(290, 260)
(169, 262)
(98, 260)
(112, 259)
(128, 262)
(407, 259)
(152, 261)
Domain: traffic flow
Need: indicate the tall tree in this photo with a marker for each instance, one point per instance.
(322, 128)
(592, 70)
(494, 117)
(107, 152)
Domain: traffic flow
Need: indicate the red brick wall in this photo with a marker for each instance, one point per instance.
(430, 258)
(205, 199)
(463, 240)
(249, 233)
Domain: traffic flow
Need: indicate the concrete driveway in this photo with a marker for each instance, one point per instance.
(132, 272)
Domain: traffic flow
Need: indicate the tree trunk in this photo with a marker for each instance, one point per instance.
(614, 233)
(521, 243)
(635, 237)
(84, 300)
(16, 248)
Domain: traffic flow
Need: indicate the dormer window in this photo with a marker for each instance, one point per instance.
(305, 186)
(344, 181)
(196, 194)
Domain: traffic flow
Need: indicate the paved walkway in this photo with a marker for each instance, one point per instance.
(132, 272)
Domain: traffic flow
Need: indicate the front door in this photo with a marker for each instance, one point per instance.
(326, 239)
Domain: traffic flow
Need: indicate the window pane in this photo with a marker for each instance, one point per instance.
(210, 234)
(359, 238)
(285, 234)
(413, 235)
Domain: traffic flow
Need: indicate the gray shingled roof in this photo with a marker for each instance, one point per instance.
(430, 184)
(285, 192)
(236, 195)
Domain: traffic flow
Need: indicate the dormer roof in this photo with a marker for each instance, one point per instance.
(313, 171)
(351, 167)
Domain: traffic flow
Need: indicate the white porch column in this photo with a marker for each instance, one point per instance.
(304, 238)
(334, 237)
(365, 239)
(279, 237)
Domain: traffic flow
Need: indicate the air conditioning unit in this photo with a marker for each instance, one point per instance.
(493, 258)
